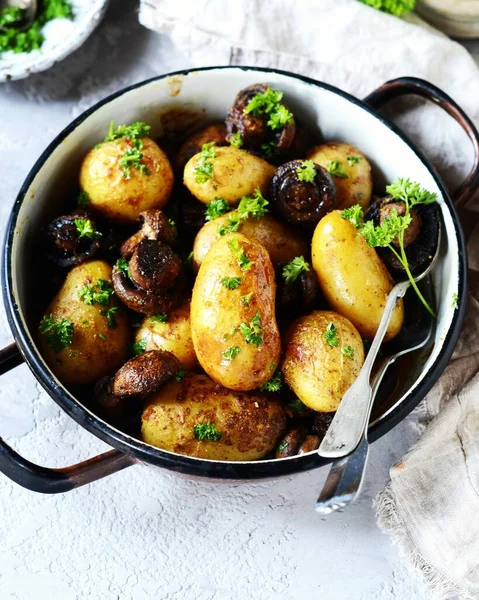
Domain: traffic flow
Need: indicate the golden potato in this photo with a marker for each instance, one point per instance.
(119, 194)
(281, 243)
(355, 185)
(353, 278)
(248, 425)
(174, 335)
(192, 145)
(235, 173)
(100, 342)
(323, 355)
(233, 321)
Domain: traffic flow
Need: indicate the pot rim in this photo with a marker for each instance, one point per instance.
(187, 464)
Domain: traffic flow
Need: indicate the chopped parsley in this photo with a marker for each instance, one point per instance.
(393, 227)
(130, 132)
(204, 167)
(348, 352)
(231, 353)
(352, 160)
(243, 261)
(236, 140)
(232, 283)
(97, 293)
(11, 15)
(284, 444)
(231, 224)
(207, 431)
(180, 375)
(247, 298)
(110, 316)
(216, 208)
(293, 269)
(297, 405)
(102, 336)
(274, 384)
(253, 333)
(83, 198)
(307, 171)
(336, 168)
(123, 268)
(85, 229)
(132, 158)
(393, 7)
(269, 104)
(252, 207)
(60, 333)
(268, 148)
(139, 347)
(159, 318)
(331, 336)
(455, 301)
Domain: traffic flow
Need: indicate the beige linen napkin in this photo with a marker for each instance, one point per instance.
(431, 504)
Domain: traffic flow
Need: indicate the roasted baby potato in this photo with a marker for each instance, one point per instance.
(233, 425)
(120, 192)
(281, 243)
(192, 145)
(233, 320)
(353, 278)
(170, 332)
(228, 173)
(350, 170)
(101, 337)
(323, 355)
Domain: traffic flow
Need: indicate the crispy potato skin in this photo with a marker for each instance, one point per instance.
(119, 199)
(89, 357)
(236, 174)
(192, 145)
(318, 373)
(358, 186)
(353, 278)
(250, 423)
(217, 313)
(173, 336)
(281, 243)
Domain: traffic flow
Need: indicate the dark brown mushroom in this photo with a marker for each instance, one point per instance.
(420, 238)
(290, 442)
(310, 443)
(154, 226)
(192, 211)
(192, 145)
(144, 374)
(300, 202)
(109, 405)
(156, 279)
(64, 245)
(321, 423)
(256, 135)
(300, 296)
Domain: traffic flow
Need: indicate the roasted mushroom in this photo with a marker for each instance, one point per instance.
(299, 201)
(193, 144)
(420, 238)
(300, 296)
(310, 443)
(154, 226)
(66, 245)
(154, 281)
(321, 423)
(290, 442)
(259, 131)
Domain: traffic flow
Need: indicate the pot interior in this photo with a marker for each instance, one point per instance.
(179, 102)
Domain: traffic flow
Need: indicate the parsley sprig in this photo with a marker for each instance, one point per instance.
(231, 353)
(97, 293)
(85, 229)
(336, 168)
(207, 431)
(236, 140)
(250, 207)
(293, 269)
(238, 251)
(139, 347)
(123, 266)
(269, 104)
(331, 335)
(232, 283)
(306, 171)
(130, 132)
(204, 167)
(253, 332)
(216, 208)
(60, 333)
(393, 7)
(132, 158)
(274, 384)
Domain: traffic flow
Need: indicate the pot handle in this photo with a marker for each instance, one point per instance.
(419, 87)
(46, 480)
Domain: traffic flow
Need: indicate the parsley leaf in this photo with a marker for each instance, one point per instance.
(207, 431)
(130, 132)
(231, 353)
(85, 229)
(139, 347)
(269, 104)
(348, 351)
(384, 234)
(268, 148)
(352, 160)
(307, 171)
(354, 214)
(97, 293)
(393, 7)
(246, 298)
(204, 167)
(293, 269)
(60, 333)
(181, 374)
(279, 117)
(274, 384)
(410, 192)
(253, 333)
(236, 140)
(297, 405)
(331, 336)
(252, 207)
(83, 198)
(284, 444)
(336, 168)
(216, 208)
(110, 316)
(232, 283)
(159, 318)
(132, 159)
(243, 261)
(122, 266)
(231, 225)
(102, 336)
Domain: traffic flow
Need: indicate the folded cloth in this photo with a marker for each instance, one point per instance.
(430, 505)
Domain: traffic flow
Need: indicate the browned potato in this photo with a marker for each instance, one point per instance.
(281, 243)
(233, 319)
(173, 335)
(122, 195)
(235, 173)
(354, 183)
(323, 355)
(353, 278)
(246, 426)
(192, 145)
(100, 343)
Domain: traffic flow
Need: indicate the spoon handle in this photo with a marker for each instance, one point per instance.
(352, 417)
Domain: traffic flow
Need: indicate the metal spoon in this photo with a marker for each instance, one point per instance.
(352, 417)
(346, 477)
(30, 9)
